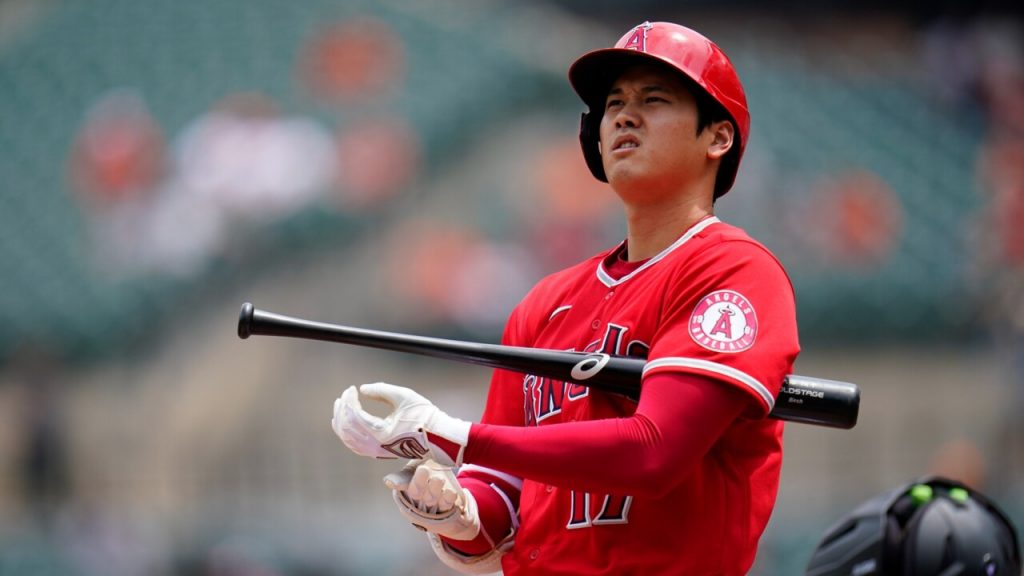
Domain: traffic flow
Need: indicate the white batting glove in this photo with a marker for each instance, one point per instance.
(413, 429)
(429, 496)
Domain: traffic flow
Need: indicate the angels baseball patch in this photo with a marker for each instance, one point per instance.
(724, 321)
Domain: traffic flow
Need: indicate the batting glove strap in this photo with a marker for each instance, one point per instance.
(484, 564)
(446, 439)
(430, 497)
(458, 523)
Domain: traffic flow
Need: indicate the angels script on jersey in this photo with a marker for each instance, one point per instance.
(544, 397)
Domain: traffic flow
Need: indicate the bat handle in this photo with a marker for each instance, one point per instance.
(245, 320)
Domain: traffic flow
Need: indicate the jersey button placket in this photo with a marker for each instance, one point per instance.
(595, 324)
(534, 553)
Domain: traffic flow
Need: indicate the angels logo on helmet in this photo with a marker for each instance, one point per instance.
(638, 40)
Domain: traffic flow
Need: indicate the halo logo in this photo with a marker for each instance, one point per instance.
(724, 321)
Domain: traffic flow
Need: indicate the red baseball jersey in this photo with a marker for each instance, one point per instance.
(715, 303)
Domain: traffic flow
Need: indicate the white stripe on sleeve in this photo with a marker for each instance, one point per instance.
(715, 368)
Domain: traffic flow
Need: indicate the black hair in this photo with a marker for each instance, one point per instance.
(708, 110)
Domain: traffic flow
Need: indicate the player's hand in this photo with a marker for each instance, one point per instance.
(413, 429)
(429, 496)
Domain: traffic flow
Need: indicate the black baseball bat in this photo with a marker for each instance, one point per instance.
(803, 399)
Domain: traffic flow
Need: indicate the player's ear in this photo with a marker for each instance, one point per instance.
(722, 136)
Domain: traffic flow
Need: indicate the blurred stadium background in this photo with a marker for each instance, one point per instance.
(413, 166)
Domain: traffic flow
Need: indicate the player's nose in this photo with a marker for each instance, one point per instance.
(626, 116)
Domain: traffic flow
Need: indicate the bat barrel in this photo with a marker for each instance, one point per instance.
(818, 401)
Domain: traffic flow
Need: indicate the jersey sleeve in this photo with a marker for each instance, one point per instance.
(730, 316)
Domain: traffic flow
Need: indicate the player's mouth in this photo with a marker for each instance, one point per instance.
(625, 142)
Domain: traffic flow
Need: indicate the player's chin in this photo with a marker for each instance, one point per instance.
(624, 172)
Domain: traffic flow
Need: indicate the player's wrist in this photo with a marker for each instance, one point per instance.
(476, 442)
(447, 438)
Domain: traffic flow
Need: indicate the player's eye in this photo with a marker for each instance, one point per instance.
(655, 99)
(613, 103)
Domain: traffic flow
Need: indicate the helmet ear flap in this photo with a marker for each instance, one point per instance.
(590, 141)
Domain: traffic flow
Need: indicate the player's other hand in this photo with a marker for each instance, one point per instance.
(429, 496)
(414, 428)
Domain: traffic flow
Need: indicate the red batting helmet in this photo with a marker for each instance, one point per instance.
(696, 57)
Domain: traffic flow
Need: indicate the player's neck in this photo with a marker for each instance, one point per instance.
(653, 228)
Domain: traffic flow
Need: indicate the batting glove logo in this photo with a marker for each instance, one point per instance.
(406, 447)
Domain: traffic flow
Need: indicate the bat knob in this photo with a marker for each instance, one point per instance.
(245, 321)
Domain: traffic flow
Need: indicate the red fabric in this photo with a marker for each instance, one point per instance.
(678, 418)
(715, 314)
(618, 266)
(451, 449)
(493, 512)
(495, 522)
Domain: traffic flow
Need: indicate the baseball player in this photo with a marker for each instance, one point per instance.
(557, 478)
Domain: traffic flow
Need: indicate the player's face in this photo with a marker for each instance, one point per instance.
(649, 139)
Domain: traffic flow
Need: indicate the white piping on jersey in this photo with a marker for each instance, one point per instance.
(721, 369)
(514, 481)
(609, 281)
(511, 510)
(558, 311)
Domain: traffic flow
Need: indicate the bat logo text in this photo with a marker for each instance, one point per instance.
(803, 392)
